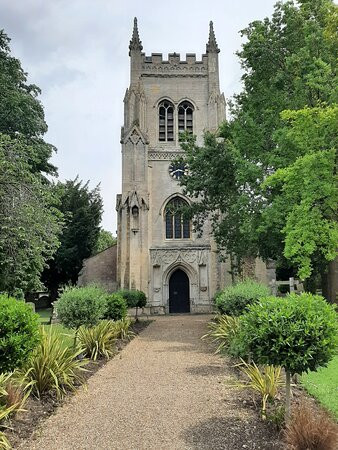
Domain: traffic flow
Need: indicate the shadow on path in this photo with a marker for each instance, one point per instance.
(218, 433)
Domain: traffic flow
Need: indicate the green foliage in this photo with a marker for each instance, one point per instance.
(19, 333)
(134, 298)
(52, 368)
(289, 62)
(82, 211)
(29, 223)
(234, 299)
(222, 331)
(322, 384)
(21, 112)
(116, 307)
(98, 341)
(306, 192)
(81, 306)
(298, 332)
(105, 240)
(265, 380)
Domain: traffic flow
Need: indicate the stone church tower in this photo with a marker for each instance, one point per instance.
(158, 252)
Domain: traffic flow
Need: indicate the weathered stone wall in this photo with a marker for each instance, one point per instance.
(101, 269)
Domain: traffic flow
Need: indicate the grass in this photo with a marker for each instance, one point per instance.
(323, 385)
(66, 334)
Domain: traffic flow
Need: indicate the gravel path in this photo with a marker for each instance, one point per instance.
(165, 390)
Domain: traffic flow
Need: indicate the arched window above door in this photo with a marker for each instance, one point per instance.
(176, 225)
(166, 121)
(185, 117)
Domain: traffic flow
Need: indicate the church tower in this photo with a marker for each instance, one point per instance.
(158, 252)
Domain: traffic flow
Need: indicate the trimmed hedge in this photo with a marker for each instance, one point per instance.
(116, 307)
(134, 298)
(298, 332)
(233, 300)
(81, 306)
(19, 333)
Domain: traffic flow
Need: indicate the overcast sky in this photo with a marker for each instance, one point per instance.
(76, 51)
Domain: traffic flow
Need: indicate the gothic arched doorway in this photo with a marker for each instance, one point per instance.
(179, 292)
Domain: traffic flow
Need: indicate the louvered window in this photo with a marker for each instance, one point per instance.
(185, 117)
(166, 121)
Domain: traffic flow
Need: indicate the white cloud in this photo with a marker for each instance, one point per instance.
(77, 52)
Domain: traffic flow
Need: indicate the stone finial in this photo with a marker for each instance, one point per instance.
(212, 46)
(135, 43)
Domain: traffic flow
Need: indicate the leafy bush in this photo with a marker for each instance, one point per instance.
(234, 299)
(116, 307)
(52, 368)
(221, 331)
(134, 298)
(311, 429)
(81, 306)
(265, 380)
(298, 332)
(98, 341)
(19, 333)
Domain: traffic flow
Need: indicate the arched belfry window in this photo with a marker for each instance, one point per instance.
(176, 225)
(185, 117)
(166, 121)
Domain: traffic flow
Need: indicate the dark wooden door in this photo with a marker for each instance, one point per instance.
(179, 292)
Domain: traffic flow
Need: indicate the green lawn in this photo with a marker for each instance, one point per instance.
(66, 334)
(323, 385)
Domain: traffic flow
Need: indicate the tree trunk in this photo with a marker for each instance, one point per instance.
(330, 282)
(288, 395)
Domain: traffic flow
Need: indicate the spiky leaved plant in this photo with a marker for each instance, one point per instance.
(221, 331)
(266, 380)
(98, 341)
(52, 368)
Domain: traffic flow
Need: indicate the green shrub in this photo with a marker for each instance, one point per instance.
(134, 298)
(116, 307)
(234, 299)
(81, 306)
(298, 332)
(52, 368)
(19, 333)
(99, 341)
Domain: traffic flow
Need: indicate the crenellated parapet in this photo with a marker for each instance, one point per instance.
(174, 65)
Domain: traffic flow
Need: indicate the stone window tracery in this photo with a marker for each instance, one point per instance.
(185, 117)
(166, 121)
(176, 225)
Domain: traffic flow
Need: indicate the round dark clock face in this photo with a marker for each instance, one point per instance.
(177, 170)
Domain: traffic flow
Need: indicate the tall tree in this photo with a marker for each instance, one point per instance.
(82, 211)
(29, 225)
(289, 62)
(305, 193)
(105, 240)
(29, 222)
(21, 113)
